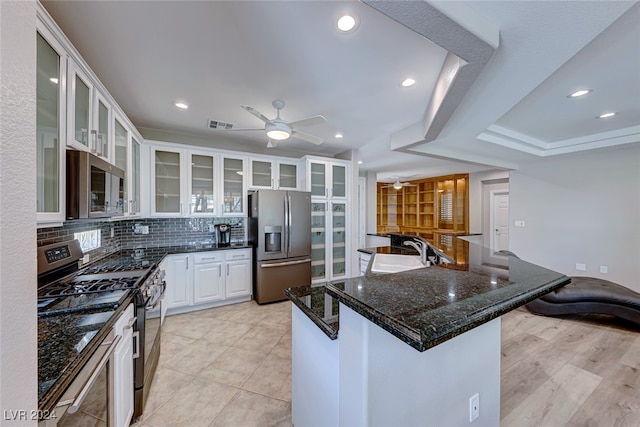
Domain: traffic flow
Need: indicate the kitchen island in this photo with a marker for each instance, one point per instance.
(407, 348)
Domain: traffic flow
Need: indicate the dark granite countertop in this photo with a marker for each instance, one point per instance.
(66, 341)
(428, 306)
(389, 250)
(319, 306)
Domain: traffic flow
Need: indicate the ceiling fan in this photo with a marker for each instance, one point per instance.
(398, 185)
(279, 130)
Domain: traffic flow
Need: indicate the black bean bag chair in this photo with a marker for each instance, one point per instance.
(587, 295)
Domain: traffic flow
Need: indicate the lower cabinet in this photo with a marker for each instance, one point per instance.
(123, 369)
(206, 279)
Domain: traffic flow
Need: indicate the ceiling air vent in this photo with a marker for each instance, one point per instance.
(216, 124)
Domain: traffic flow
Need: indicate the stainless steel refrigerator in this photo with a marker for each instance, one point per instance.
(280, 231)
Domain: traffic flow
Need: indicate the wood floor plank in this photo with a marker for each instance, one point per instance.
(518, 381)
(556, 401)
(632, 356)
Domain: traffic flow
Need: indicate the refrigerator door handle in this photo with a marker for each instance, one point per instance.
(282, 264)
(286, 226)
(289, 224)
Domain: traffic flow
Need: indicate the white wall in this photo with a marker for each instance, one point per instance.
(580, 208)
(476, 194)
(18, 328)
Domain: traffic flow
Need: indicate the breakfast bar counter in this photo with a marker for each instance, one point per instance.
(408, 348)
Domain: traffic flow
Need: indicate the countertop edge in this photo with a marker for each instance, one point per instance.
(416, 339)
(324, 327)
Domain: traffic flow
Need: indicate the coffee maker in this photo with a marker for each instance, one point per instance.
(223, 235)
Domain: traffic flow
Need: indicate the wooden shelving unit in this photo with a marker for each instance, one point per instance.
(428, 207)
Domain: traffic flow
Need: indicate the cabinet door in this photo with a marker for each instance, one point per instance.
(317, 179)
(238, 280)
(318, 240)
(80, 106)
(123, 370)
(338, 181)
(100, 136)
(201, 196)
(121, 146)
(50, 128)
(177, 280)
(168, 182)
(338, 240)
(208, 282)
(287, 176)
(233, 191)
(261, 174)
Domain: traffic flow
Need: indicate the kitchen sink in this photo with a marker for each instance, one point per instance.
(393, 263)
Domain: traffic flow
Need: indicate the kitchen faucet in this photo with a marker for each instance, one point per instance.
(421, 247)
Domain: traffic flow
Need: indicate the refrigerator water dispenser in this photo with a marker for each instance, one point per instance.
(272, 238)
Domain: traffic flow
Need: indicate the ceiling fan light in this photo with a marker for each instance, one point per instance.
(397, 185)
(278, 131)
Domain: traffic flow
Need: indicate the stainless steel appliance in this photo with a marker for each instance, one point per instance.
(223, 235)
(95, 188)
(280, 231)
(62, 290)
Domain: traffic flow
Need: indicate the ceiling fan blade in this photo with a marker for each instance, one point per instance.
(309, 121)
(241, 129)
(256, 113)
(272, 143)
(306, 137)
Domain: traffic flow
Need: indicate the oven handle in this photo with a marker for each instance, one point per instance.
(136, 348)
(94, 376)
(153, 304)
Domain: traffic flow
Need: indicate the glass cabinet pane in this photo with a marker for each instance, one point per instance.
(233, 190)
(135, 176)
(318, 233)
(103, 129)
(339, 187)
(445, 204)
(261, 174)
(121, 138)
(82, 109)
(48, 128)
(287, 177)
(318, 174)
(338, 239)
(201, 199)
(167, 182)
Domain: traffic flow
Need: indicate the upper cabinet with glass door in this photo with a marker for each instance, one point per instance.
(327, 178)
(126, 156)
(275, 174)
(233, 188)
(202, 184)
(50, 126)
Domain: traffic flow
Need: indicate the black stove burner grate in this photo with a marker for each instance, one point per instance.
(114, 268)
(87, 286)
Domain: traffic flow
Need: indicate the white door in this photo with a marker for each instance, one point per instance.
(238, 280)
(499, 221)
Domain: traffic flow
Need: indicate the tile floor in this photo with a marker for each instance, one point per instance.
(226, 366)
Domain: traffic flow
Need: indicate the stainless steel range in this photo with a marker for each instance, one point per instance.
(63, 288)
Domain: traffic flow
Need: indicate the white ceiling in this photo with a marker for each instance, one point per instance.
(507, 105)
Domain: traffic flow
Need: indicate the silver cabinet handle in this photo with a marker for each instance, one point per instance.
(187, 267)
(136, 346)
(131, 323)
(204, 259)
(94, 141)
(94, 376)
(227, 269)
(220, 270)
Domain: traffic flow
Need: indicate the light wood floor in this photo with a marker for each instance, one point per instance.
(231, 366)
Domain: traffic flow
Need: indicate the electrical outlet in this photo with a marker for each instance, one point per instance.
(112, 232)
(604, 269)
(518, 223)
(581, 267)
(474, 407)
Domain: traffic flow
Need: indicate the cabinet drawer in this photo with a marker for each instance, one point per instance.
(205, 257)
(237, 254)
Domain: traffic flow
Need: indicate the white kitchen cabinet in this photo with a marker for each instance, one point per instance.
(126, 156)
(202, 191)
(51, 98)
(178, 280)
(273, 174)
(330, 213)
(238, 273)
(168, 181)
(234, 192)
(207, 279)
(123, 369)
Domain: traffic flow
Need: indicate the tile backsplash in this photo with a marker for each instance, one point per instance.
(117, 235)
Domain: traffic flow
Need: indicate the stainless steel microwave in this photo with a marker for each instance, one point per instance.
(95, 188)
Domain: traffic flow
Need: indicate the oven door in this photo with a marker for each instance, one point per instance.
(86, 401)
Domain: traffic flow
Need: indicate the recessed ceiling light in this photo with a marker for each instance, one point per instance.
(606, 115)
(181, 105)
(360, 162)
(408, 82)
(578, 93)
(54, 80)
(338, 135)
(346, 23)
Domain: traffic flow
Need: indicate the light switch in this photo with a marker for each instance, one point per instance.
(518, 223)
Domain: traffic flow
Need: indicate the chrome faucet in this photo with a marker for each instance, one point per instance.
(421, 247)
